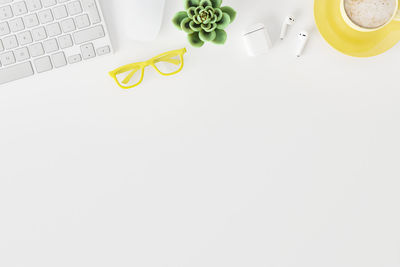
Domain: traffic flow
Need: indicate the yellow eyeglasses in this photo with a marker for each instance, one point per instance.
(166, 64)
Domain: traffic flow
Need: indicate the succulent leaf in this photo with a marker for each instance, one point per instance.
(185, 25)
(198, 10)
(178, 19)
(230, 11)
(216, 3)
(194, 26)
(209, 27)
(214, 19)
(205, 3)
(191, 12)
(218, 13)
(209, 9)
(220, 37)
(195, 40)
(196, 20)
(191, 3)
(224, 22)
(207, 36)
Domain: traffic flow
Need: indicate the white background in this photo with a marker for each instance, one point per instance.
(236, 161)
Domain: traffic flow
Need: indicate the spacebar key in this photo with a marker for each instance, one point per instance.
(16, 72)
(88, 35)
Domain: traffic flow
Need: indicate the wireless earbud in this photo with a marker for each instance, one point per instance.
(303, 38)
(288, 22)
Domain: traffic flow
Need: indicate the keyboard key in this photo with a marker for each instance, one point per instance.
(39, 34)
(74, 8)
(31, 20)
(59, 60)
(82, 21)
(33, 5)
(22, 54)
(36, 50)
(74, 59)
(16, 25)
(16, 72)
(65, 41)
(10, 42)
(45, 16)
(4, 28)
(68, 25)
(53, 29)
(43, 64)
(50, 46)
(19, 8)
(91, 8)
(60, 12)
(48, 3)
(88, 51)
(25, 38)
(7, 58)
(103, 50)
(5, 12)
(89, 34)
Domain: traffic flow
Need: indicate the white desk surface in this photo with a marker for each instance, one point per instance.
(236, 161)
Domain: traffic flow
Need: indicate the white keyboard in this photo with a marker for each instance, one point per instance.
(42, 35)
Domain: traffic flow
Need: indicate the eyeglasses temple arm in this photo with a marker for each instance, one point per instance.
(168, 58)
(129, 77)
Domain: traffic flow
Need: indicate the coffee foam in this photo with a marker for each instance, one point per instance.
(370, 13)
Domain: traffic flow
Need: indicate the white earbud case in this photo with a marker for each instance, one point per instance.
(257, 40)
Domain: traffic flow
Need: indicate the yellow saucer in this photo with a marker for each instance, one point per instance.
(345, 39)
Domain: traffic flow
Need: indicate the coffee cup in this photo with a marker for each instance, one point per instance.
(369, 15)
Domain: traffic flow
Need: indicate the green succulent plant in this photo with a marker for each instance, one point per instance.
(204, 21)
